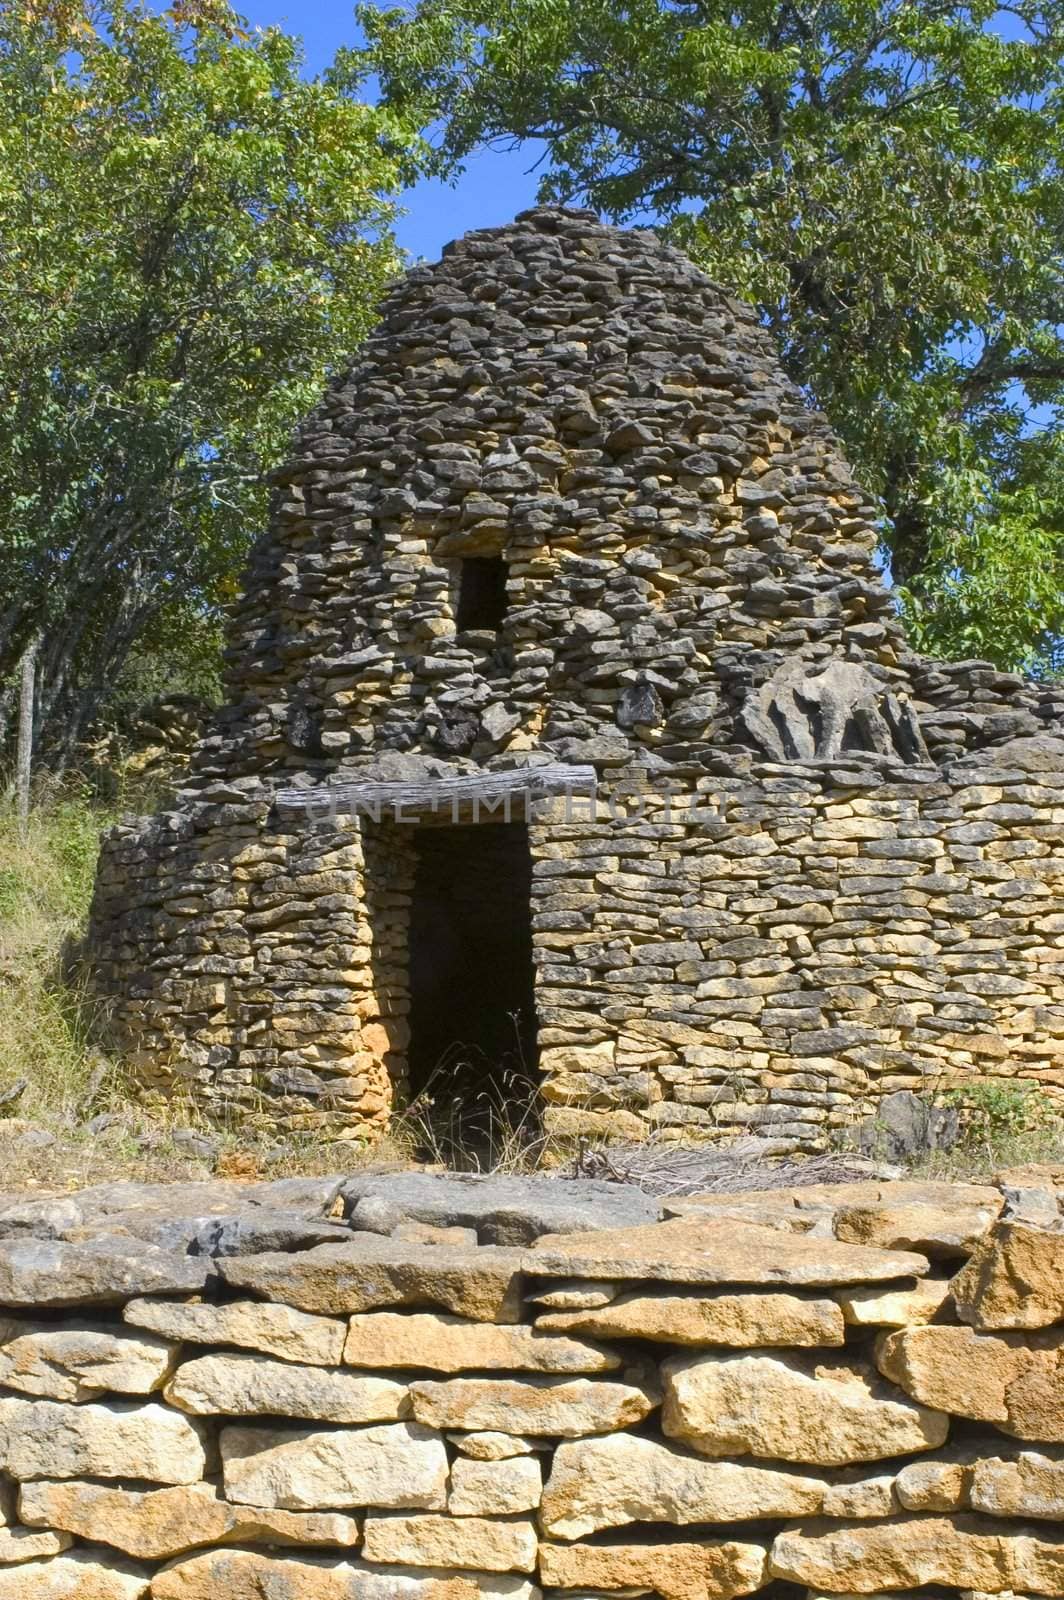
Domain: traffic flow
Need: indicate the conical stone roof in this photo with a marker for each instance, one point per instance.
(684, 548)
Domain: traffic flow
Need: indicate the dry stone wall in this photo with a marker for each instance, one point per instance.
(855, 888)
(412, 1387)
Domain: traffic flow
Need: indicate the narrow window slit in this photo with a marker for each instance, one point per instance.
(481, 594)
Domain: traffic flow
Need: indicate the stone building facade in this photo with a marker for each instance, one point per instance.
(569, 719)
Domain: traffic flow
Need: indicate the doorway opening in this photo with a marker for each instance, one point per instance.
(472, 1050)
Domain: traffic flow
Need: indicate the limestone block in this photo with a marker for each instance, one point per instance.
(80, 1363)
(27, 1544)
(483, 1543)
(579, 1295)
(718, 1252)
(962, 1552)
(939, 1485)
(401, 1466)
(857, 1494)
(251, 1575)
(274, 1330)
(50, 1272)
(945, 1226)
(895, 1308)
(491, 1445)
(622, 1478)
(1002, 1378)
(48, 1439)
(247, 1385)
(754, 1320)
(372, 1272)
(73, 1576)
(566, 1408)
(1015, 1279)
(453, 1344)
(673, 1571)
(777, 1407)
(494, 1488)
(155, 1524)
(1029, 1484)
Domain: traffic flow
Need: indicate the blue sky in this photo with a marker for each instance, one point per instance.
(495, 185)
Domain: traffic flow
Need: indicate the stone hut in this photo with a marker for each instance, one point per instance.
(570, 732)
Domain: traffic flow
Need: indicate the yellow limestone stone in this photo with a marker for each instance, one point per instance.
(622, 1478)
(674, 1571)
(1015, 1279)
(753, 1320)
(962, 1552)
(1004, 1378)
(440, 1343)
(154, 1524)
(777, 1407)
(255, 1575)
(563, 1407)
(482, 1543)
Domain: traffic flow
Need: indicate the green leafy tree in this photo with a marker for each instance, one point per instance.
(881, 178)
(191, 234)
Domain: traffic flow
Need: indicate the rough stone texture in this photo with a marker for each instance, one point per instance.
(491, 1445)
(46, 1439)
(371, 1273)
(400, 1466)
(448, 1344)
(758, 931)
(1015, 1279)
(895, 1308)
(932, 1228)
(495, 1488)
(567, 1408)
(718, 1252)
(249, 1575)
(500, 1210)
(780, 1408)
(485, 1544)
(78, 1364)
(76, 1576)
(729, 1319)
(275, 1330)
(1031, 1484)
(255, 1386)
(158, 1523)
(673, 1571)
(25, 1544)
(963, 1552)
(1007, 1379)
(606, 1483)
(37, 1272)
(459, 1468)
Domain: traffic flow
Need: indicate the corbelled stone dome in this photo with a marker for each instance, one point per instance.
(566, 490)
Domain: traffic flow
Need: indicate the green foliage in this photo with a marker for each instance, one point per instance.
(191, 236)
(881, 179)
(994, 1114)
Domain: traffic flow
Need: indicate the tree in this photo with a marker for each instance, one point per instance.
(881, 178)
(191, 235)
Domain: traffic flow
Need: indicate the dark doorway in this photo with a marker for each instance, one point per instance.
(472, 1011)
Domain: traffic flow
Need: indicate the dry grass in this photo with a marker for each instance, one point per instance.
(45, 885)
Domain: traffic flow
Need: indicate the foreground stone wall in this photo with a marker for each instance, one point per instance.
(411, 1387)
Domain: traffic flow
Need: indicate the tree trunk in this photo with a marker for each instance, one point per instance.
(24, 747)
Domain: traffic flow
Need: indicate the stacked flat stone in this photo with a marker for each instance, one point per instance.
(866, 899)
(852, 1389)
